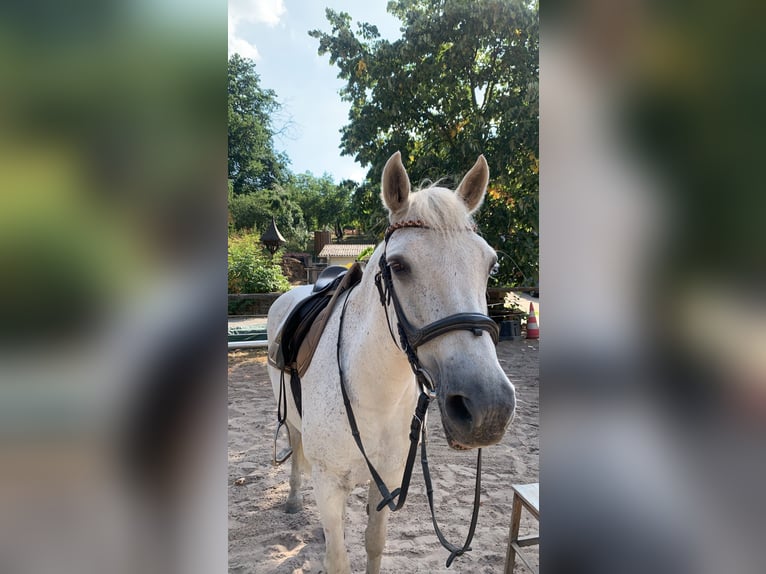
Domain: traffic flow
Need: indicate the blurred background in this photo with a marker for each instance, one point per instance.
(653, 367)
(113, 291)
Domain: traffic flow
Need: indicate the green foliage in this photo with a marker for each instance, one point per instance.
(462, 80)
(254, 211)
(324, 203)
(513, 303)
(338, 203)
(251, 270)
(367, 209)
(308, 192)
(260, 184)
(253, 161)
(365, 254)
(248, 212)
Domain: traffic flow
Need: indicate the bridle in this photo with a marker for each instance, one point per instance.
(410, 339)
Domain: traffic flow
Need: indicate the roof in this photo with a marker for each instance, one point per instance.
(272, 234)
(344, 249)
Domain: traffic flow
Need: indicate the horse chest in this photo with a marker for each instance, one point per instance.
(328, 440)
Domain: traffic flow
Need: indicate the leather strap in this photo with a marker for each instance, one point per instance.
(455, 551)
(411, 338)
(394, 500)
(281, 418)
(474, 322)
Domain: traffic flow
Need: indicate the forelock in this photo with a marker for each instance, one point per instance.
(439, 208)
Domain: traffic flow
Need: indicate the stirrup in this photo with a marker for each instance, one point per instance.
(286, 452)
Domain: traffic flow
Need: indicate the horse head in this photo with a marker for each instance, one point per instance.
(438, 268)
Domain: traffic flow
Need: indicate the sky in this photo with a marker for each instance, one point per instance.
(274, 34)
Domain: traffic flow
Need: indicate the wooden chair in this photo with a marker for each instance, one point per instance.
(524, 496)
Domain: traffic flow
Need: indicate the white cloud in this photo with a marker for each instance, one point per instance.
(242, 47)
(267, 12)
(257, 11)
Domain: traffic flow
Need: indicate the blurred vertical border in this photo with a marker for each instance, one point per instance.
(653, 272)
(113, 290)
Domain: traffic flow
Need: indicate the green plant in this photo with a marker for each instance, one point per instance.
(512, 303)
(250, 270)
(253, 212)
(365, 254)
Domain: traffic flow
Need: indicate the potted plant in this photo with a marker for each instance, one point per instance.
(510, 327)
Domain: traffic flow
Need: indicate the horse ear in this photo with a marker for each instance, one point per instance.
(471, 190)
(395, 185)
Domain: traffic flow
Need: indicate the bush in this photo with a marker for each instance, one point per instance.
(250, 270)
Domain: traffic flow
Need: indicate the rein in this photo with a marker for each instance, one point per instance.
(410, 338)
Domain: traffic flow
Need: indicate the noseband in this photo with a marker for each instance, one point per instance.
(410, 337)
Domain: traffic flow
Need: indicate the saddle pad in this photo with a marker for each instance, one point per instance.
(297, 338)
(309, 345)
(283, 350)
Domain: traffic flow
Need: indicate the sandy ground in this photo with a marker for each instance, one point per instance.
(265, 540)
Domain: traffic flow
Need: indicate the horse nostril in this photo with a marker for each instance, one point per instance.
(457, 409)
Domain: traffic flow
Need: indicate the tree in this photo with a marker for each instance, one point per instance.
(338, 206)
(253, 161)
(309, 193)
(254, 211)
(367, 210)
(462, 80)
(323, 202)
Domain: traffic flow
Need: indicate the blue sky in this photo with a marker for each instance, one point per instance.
(274, 34)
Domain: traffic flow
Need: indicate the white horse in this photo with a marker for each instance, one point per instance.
(439, 268)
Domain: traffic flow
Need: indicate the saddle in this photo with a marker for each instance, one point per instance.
(292, 349)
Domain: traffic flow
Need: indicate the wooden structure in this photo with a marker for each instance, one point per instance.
(524, 496)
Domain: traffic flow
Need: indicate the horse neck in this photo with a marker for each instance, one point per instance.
(369, 347)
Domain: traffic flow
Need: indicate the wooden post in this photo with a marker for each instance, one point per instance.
(513, 533)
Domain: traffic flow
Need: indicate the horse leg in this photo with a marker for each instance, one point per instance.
(297, 465)
(331, 500)
(375, 535)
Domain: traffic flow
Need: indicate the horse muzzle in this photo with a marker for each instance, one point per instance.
(476, 412)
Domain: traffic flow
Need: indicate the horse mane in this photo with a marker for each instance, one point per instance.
(440, 208)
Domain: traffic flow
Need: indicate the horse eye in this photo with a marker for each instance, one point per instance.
(397, 266)
(495, 269)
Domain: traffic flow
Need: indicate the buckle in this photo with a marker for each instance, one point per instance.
(426, 381)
